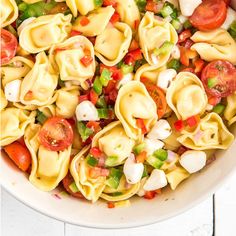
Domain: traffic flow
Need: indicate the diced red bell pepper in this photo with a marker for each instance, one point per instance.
(29, 95)
(115, 18)
(141, 157)
(149, 195)
(181, 150)
(214, 100)
(110, 87)
(93, 96)
(134, 45)
(184, 59)
(158, 191)
(153, 6)
(84, 21)
(86, 60)
(94, 125)
(116, 73)
(75, 33)
(188, 43)
(193, 121)
(188, 69)
(184, 35)
(109, 3)
(179, 125)
(84, 97)
(199, 64)
(96, 152)
(110, 204)
(140, 124)
(113, 95)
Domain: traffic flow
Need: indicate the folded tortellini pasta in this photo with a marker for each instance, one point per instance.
(17, 68)
(215, 45)
(186, 96)
(3, 101)
(66, 101)
(176, 176)
(113, 141)
(128, 11)
(49, 110)
(8, 12)
(153, 33)
(44, 31)
(38, 86)
(148, 71)
(66, 58)
(122, 192)
(98, 20)
(13, 124)
(134, 102)
(113, 43)
(91, 188)
(211, 133)
(81, 6)
(48, 167)
(230, 110)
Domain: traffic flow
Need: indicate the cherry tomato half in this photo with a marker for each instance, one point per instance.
(8, 46)
(19, 154)
(56, 134)
(209, 15)
(157, 95)
(219, 78)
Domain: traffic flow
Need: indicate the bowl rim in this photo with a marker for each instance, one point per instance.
(124, 225)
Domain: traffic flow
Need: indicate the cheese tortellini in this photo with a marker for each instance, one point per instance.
(128, 11)
(17, 68)
(3, 101)
(186, 96)
(8, 12)
(13, 124)
(81, 6)
(44, 31)
(230, 110)
(38, 86)
(123, 191)
(48, 167)
(91, 188)
(113, 141)
(113, 43)
(66, 58)
(98, 20)
(215, 45)
(153, 33)
(211, 133)
(134, 102)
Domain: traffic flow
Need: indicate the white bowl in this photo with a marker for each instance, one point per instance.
(141, 212)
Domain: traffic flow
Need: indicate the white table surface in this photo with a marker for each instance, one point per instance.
(215, 216)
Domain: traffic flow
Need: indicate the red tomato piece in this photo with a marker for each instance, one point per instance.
(157, 95)
(8, 46)
(115, 18)
(219, 78)
(209, 15)
(109, 3)
(140, 124)
(56, 134)
(86, 60)
(19, 154)
(67, 181)
(179, 125)
(149, 195)
(84, 21)
(96, 152)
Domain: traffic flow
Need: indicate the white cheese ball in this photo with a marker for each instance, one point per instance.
(12, 90)
(86, 111)
(165, 78)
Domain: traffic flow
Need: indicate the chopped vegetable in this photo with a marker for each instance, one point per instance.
(139, 148)
(111, 160)
(193, 121)
(166, 10)
(141, 157)
(212, 82)
(98, 3)
(187, 24)
(174, 64)
(140, 124)
(155, 162)
(114, 178)
(115, 18)
(161, 154)
(73, 187)
(179, 125)
(145, 172)
(84, 131)
(184, 35)
(110, 204)
(86, 60)
(93, 96)
(176, 23)
(141, 4)
(126, 69)
(92, 161)
(219, 108)
(84, 21)
(149, 195)
(232, 29)
(103, 113)
(164, 49)
(41, 118)
(97, 86)
(101, 102)
(105, 77)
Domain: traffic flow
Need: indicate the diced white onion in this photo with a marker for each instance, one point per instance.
(86, 111)
(12, 90)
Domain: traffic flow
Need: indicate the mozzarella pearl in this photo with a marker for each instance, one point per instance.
(231, 16)
(156, 180)
(187, 7)
(193, 161)
(133, 171)
(86, 111)
(152, 145)
(161, 130)
(12, 90)
(165, 78)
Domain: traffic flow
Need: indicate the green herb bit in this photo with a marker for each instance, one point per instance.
(166, 10)
(41, 118)
(105, 77)
(187, 24)
(174, 64)
(126, 69)
(141, 4)
(219, 108)
(114, 178)
(111, 160)
(176, 23)
(84, 131)
(139, 148)
(212, 82)
(101, 102)
(155, 162)
(161, 154)
(164, 49)
(73, 187)
(103, 113)
(98, 3)
(145, 172)
(97, 86)
(92, 161)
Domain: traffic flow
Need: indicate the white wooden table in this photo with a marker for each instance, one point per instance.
(215, 216)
